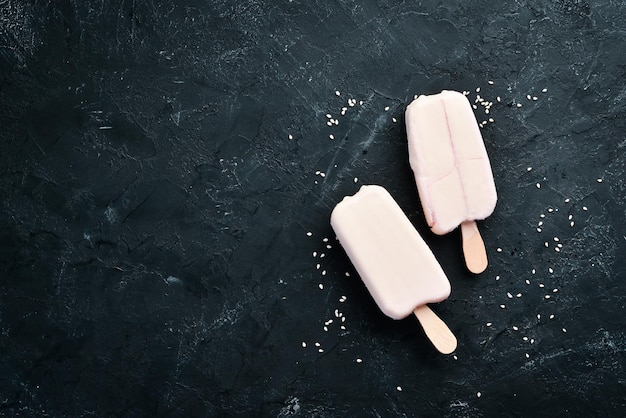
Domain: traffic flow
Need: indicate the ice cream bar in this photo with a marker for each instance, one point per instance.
(451, 168)
(394, 262)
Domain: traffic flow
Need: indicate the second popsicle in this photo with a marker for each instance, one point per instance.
(452, 169)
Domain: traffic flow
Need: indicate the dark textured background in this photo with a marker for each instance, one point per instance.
(154, 257)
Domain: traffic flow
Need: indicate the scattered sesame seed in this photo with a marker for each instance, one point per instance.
(503, 306)
(317, 344)
(551, 316)
(542, 216)
(541, 285)
(490, 82)
(325, 328)
(538, 185)
(322, 175)
(585, 208)
(478, 394)
(317, 266)
(399, 388)
(550, 270)
(567, 200)
(356, 179)
(394, 120)
(544, 90)
(342, 299)
(534, 98)
(347, 274)
(529, 169)
(474, 106)
(303, 344)
(547, 296)
(361, 102)
(308, 234)
(358, 360)
(321, 286)
(532, 340)
(323, 272)
(527, 355)
(321, 350)
(519, 105)
(386, 108)
(498, 99)
(519, 295)
(325, 239)
(599, 180)
(488, 324)
(525, 338)
(455, 357)
(540, 223)
(499, 249)
(545, 244)
(527, 281)
(290, 136)
(338, 93)
(331, 136)
(491, 120)
(557, 249)
(515, 328)
(322, 255)
(571, 224)
(509, 295)
(564, 330)
(533, 271)
(528, 96)
(550, 210)
(497, 278)
(314, 254)
(538, 229)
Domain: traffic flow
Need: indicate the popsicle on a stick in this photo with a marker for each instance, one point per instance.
(394, 262)
(452, 169)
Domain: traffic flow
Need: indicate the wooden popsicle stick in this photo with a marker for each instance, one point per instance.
(473, 248)
(436, 330)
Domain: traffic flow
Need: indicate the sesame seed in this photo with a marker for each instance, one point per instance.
(290, 136)
(527, 355)
(571, 224)
(303, 344)
(564, 330)
(331, 136)
(545, 244)
(478, 394)
(308, 234)
(551, 316)
(538, 229)
(490, 82)
(542, 216)
(519, 295)
(321, 350)
(528, 96)
(538, 185)
(361, 102)
(358, 360)
(338, 93)
(547, 296)
(356, 179)
(314, 254)
(540, 223)
(323, 272)
(550, 270)
(525, 338)
(515, 328)
(394, 120)
(317, 344)
(584, 208)
(347, 274)
(499, 249)
(322, 255)
(325, 239)
(541, 285)
(477, 89)
(503, 306)
(322, 175)
(527, 281)
(321, 286)
(386, 108)
(317, 266)
(497, 278)
(557, 249)
(529, 169)
(509, 295)
(599, 180)
(488, 324)
(532, 340)
(474, 106)
(498, 98)
(533, 271)
(567, 200)
(535, 98)
(519, 105)
(329, 116)
(544, 90)
(326, 328)
(399, 388)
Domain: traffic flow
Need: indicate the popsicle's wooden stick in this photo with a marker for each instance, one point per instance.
(436, 330)
(473, 248)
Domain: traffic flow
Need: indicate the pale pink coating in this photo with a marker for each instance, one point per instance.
(449, 160)
(394, 262)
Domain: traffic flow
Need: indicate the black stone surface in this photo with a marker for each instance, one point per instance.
(154, 257)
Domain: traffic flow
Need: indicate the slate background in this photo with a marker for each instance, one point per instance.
(153, 255)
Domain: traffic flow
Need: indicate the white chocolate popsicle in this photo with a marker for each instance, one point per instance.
(452, 169)
(394, 262)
